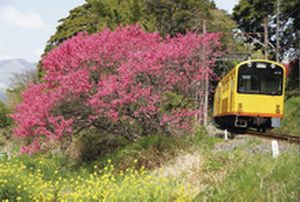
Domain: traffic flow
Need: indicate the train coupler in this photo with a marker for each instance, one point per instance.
(239, 123)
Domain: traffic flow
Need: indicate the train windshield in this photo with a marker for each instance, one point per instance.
(260, 78)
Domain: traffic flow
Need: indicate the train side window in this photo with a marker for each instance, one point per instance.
(248, 83)
(271, 85)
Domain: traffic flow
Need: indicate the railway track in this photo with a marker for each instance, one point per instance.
(288, 138)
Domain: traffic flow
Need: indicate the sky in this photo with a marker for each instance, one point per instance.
(26, 25)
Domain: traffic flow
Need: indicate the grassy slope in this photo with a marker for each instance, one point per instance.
(253, 177)
(216, 176)
(119, 176)
(291, 120)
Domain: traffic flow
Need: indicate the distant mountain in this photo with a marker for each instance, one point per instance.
(9, 68)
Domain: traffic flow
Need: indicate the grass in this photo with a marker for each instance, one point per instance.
(290, 122)
(129, 173)
(256, 178)
(124, 175)
(154, 150)
(245, 176)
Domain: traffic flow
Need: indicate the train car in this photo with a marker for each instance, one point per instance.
(251, 95)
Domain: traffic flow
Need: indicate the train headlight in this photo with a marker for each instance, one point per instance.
(273, 66)
(277, 109)
(240, 107)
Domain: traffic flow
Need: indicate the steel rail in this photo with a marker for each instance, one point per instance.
(284, 137)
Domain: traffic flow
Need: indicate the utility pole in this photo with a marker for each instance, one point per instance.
(206, 92)
(266, 37)
(204, 27)
(277, 29)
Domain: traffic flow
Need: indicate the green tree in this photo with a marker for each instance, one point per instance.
(178, 16)
(5, 120)
(166, 16)
(95, 15)
(250, 14)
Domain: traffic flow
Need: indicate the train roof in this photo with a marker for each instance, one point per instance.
(260, 60)
(236, 67)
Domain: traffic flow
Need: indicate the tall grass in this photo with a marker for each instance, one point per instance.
(255, 177)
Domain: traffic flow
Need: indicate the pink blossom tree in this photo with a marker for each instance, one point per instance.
(120, 82)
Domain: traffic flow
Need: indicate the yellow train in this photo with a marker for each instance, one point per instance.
(251, 95)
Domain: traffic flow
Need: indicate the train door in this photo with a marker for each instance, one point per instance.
(231, 94)
(219, 100)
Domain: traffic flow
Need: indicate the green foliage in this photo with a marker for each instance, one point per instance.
(2, 140)
(172, 17)
(293, 77)
(95, 15)
(290, 122)
(151, 151)
(91, 145)
(203, 140)
(174, 101)
(250, 14)
(291, 9)
(166, 17)
(5, 120)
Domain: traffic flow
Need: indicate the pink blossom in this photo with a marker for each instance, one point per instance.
(113, 74)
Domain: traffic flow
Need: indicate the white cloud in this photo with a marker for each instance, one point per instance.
(11, 16)
(6, 57)
(38, 52)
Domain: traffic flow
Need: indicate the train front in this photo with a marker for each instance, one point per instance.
(260, 94)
